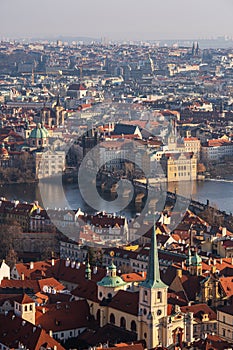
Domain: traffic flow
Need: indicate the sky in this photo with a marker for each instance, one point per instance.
(116, 20)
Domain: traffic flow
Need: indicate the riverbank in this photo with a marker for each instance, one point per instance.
(223, 170)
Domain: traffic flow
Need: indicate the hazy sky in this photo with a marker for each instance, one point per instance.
(121, 19)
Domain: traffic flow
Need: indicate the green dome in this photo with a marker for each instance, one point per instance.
(109, 281)
(196, 260)
(39, 132)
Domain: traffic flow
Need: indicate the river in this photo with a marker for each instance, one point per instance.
(219, 193)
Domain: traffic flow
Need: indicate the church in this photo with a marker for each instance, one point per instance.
(140, 308)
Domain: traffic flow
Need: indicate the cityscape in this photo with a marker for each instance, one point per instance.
(116, 177)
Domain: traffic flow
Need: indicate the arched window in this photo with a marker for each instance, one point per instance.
(112, 319)
(98, 316)
(109, 295)
(160, 297)
(133, 326)
(123, 323)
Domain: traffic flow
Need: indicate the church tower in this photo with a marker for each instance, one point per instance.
(152, 301)
(59, 112)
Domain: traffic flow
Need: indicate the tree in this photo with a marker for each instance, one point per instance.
(11, 258)
(8, 234)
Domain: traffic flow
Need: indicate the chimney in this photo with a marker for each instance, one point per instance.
(213, 269)
(224, 231)
(50, 333)
(43, 310)
(52, 262)
(179, 273)
(22, 276)
(31, 265)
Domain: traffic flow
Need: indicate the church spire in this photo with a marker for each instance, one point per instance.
(153, 279)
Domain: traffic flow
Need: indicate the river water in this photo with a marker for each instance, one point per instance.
(218, 192)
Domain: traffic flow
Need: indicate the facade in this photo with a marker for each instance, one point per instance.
(49, 163)
(53, 116)
(193, 144)
(179, 166)
(225, 322)
(216, 150)
(4, 271)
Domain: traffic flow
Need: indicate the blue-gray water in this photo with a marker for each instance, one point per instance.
(219, 193)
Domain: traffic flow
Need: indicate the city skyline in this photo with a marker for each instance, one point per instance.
(146, 20)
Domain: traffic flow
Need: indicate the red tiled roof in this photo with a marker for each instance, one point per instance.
(24, 299)
(14, 330)
(126, 302)
(200, 309)
(63, 316)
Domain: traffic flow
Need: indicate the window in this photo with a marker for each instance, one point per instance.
(145, 296)
(123, 323)
(133, 326)
(112, 319)
(224, 332)
(159, 296)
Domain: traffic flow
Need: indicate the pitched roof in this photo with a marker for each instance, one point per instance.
(108, 333)
(125, 129)
(34, 286)
(72, 274)
(212, 342)
(14, 330)
(24, 299)
(198, 311)
(126, 302)
(63, 316)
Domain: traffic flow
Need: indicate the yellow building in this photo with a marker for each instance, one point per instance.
(25, 308)
(179, 166)
(193, 144)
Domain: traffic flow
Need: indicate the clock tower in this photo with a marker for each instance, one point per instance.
(152, 301)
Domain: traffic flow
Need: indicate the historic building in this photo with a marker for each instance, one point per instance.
(142, 310)
(179, 166)
(39, 137)
(53, 116)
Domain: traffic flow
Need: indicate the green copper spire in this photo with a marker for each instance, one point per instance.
(88, 270)
(153, 279)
